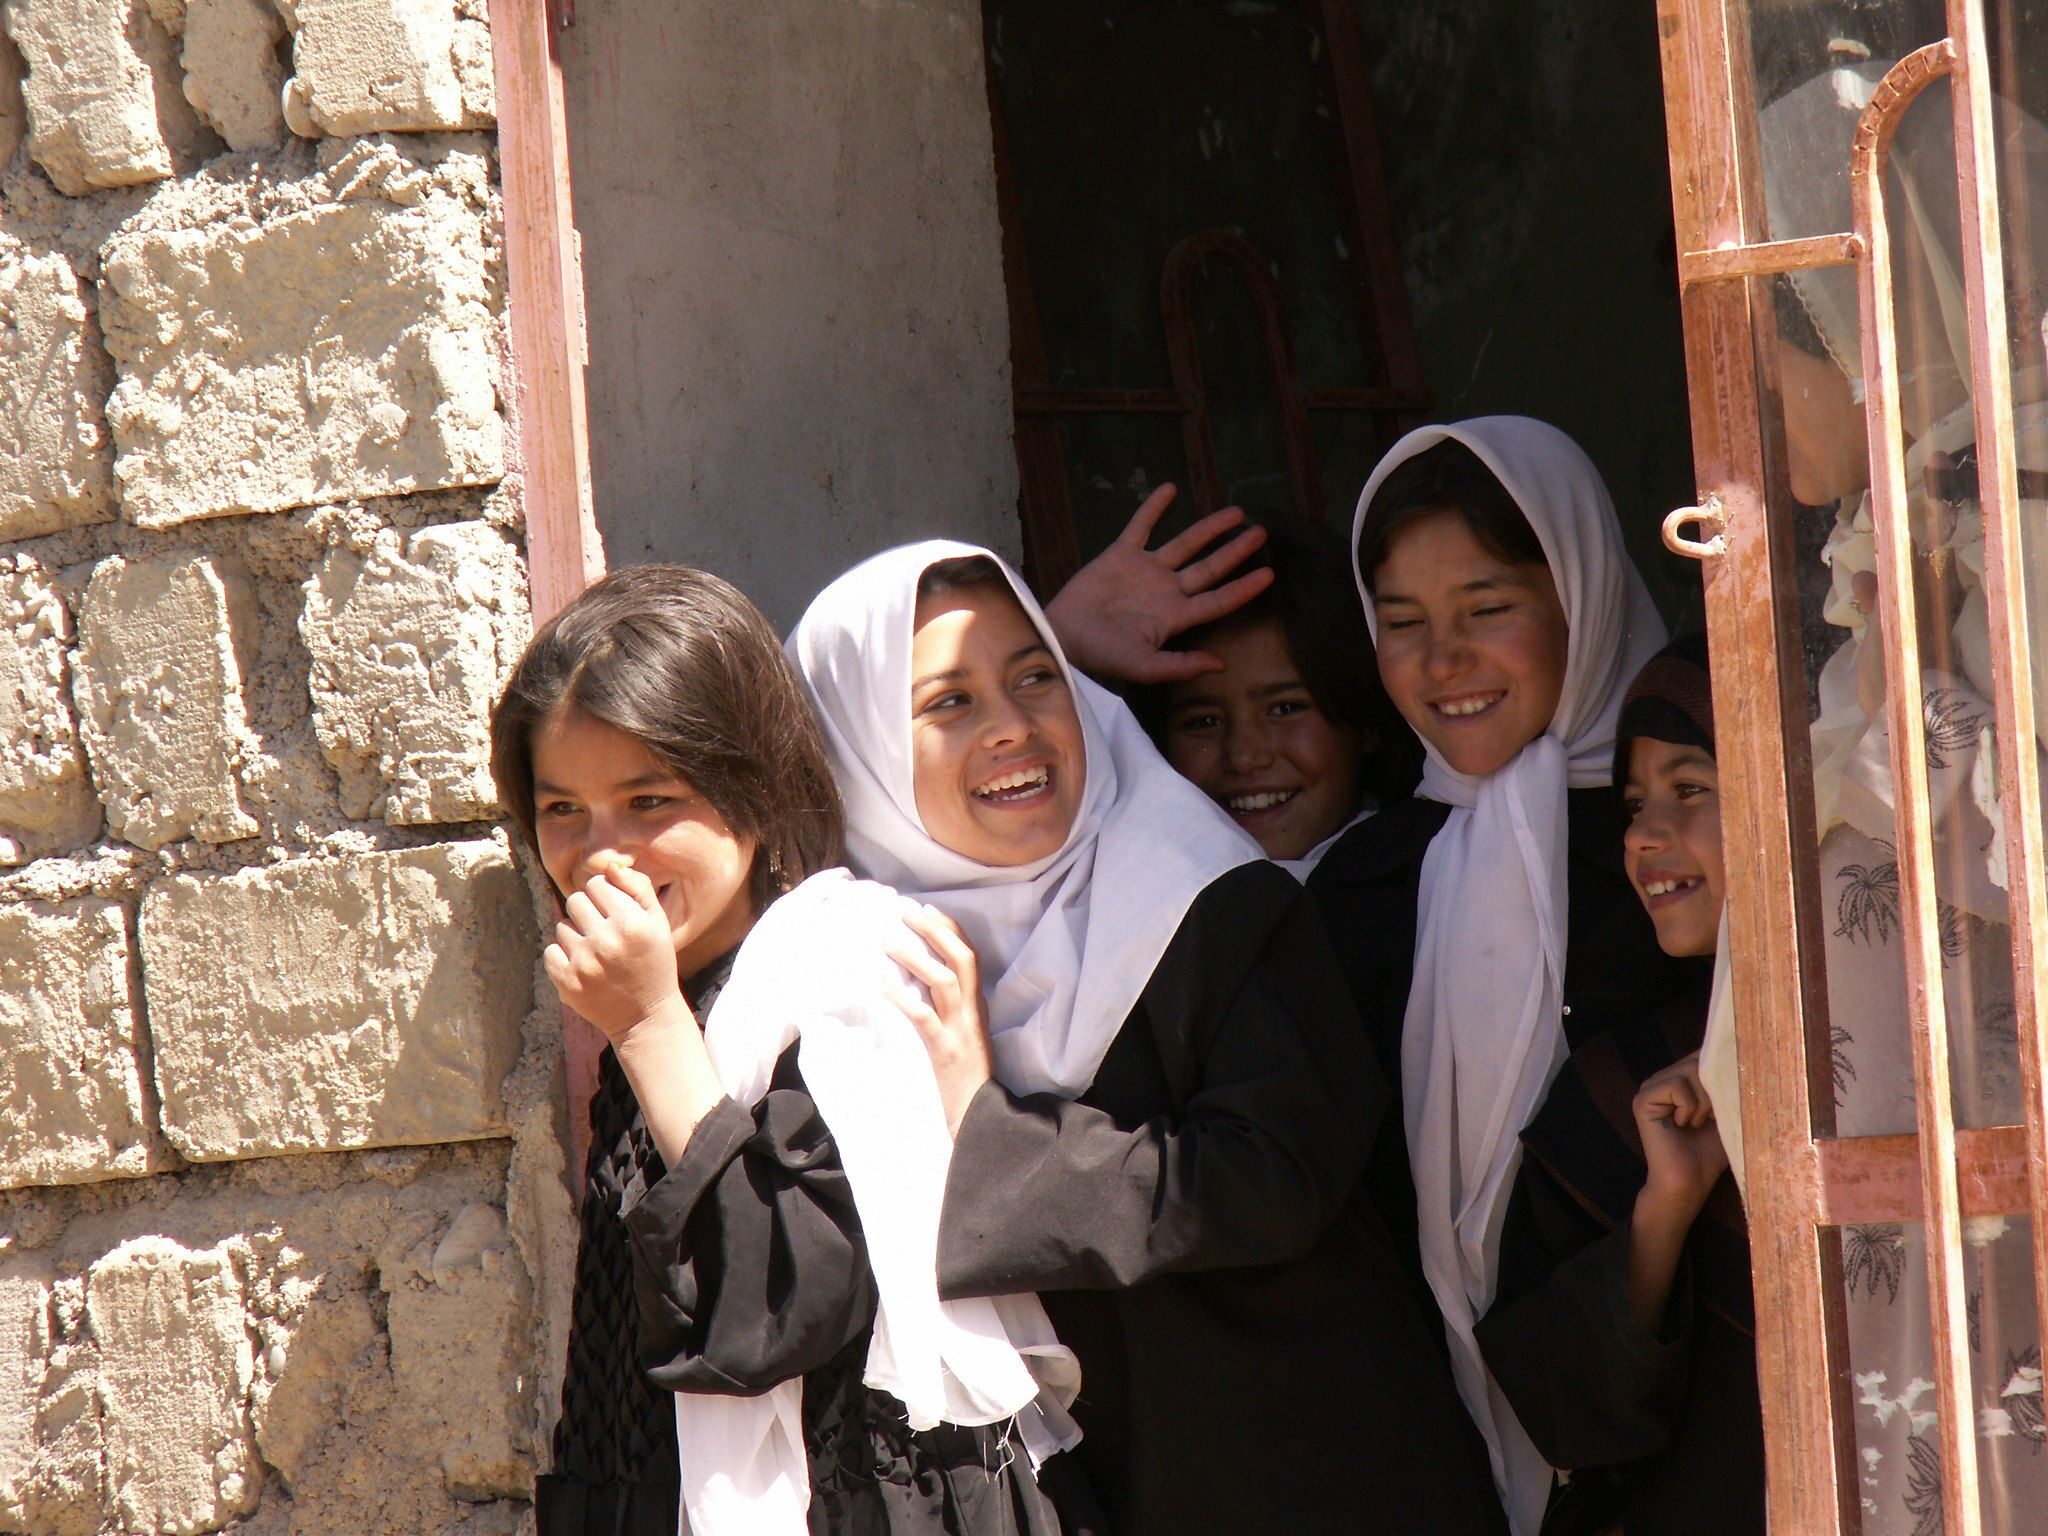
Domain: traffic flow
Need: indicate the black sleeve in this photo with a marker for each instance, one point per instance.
(1279, 1101)
(748, 1261)
(1592, 1386)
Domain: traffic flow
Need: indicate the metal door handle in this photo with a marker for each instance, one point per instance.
(1712, 518)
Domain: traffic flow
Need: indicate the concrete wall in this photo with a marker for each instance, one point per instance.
(284, 1233)
(799, 342)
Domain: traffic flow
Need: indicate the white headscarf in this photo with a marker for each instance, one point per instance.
(1066, 943)
(1484, 1036)
(814, 973)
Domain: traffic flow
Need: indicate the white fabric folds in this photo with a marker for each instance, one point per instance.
(814, 973)
(1484, 1035)
(1066, 943)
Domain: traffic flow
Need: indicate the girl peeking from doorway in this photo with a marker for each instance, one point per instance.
(769, 1138)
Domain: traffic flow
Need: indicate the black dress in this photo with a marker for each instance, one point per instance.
(1369, 888)
(749, 1269)
(614, 1470)
(1661, 1426)
(1253, 1358)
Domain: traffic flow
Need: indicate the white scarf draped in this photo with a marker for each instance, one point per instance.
(814, 973)
(1066, 943)
(1483, 1035)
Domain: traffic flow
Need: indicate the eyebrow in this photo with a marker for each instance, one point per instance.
(650, 780)
(1484, 584)
(956, 673)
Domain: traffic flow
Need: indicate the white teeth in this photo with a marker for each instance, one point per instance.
(1666, 887)
(1024, 778)
(1458, 708)
(1265, 800)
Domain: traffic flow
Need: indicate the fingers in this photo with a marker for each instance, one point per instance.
(1207, 607)
(1138, 531)
(1211, 569)
(923, 1017)
(946, 940)
(633, 883)
(1170, 666)
(580, 913)
(1199, 535)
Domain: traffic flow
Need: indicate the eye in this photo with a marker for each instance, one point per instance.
(951, 699)
(1196, 722)
(1282, 709)
(1037, 677)
(651, 802)
(556, 808)
(1632, 806)
(1387, 624)
(1493, 610)
(1688, 789)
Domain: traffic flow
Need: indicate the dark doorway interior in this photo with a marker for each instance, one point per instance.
(1520, 193)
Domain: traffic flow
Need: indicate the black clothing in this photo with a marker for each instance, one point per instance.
(614, 1471)
(1369, 888)
(1253, 1359)
(1663, 1425)
(750, 1268)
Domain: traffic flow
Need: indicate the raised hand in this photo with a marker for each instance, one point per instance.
(1683, 1147)
(1117, 612)
(954, 1022)
(613, 958)
(1681, 1143)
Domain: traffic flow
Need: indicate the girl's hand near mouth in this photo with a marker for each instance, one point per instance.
(614, 962)
(954, 1023)
(1683, 1148)
(613, 959)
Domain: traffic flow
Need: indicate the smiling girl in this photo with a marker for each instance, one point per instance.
(1161, 1098)
(769, 1145)
(1623, 1331)
(1292, 735)
(1486, 925)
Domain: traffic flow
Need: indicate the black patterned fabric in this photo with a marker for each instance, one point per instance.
(615, 1444)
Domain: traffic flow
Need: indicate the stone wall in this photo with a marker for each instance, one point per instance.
(284, 1233)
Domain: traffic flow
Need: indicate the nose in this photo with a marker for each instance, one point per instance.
(1004, 722)
(608, 838)
(1649, 830)
(1247, 746)
(1449, 652)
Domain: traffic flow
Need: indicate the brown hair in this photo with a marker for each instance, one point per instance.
(959, 572)
(1446, 477)
(683, 663)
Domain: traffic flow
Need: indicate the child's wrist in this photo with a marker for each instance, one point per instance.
(656, 1028)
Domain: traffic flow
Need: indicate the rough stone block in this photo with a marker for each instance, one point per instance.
(176, 1365)
(163, 645)
(369, 66)
(24, 1347)
(102, 93)
(373, 1001)
(13, 113)
(459, 1314)
(47, 804)
(344, 351)
(233, 76)
(411, 643)
(72, 1104)
(56, 463)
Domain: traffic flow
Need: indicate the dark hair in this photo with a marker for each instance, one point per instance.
(959, 572)
(1447, 477)
(1322, 621)
(683, 663)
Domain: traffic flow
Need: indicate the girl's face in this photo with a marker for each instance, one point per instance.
(996, 747)
(1253, 739)
(1673, 844)
(1471, 647)
(601, 795)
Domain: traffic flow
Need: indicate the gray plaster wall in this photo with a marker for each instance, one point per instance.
(798, 335)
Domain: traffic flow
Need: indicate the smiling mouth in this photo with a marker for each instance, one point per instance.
(1258, 801)
(1666, 889)
(1465, 707)
(1022, 787)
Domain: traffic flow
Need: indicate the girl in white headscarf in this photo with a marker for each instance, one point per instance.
(1162, 1101)
(1490, 924)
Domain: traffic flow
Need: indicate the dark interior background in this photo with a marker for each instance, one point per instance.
(1526, 184)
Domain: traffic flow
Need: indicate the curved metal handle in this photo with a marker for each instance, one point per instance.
(1710, 515)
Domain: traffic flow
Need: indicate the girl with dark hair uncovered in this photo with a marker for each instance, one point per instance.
(768, 1137)
(1161, 1098)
